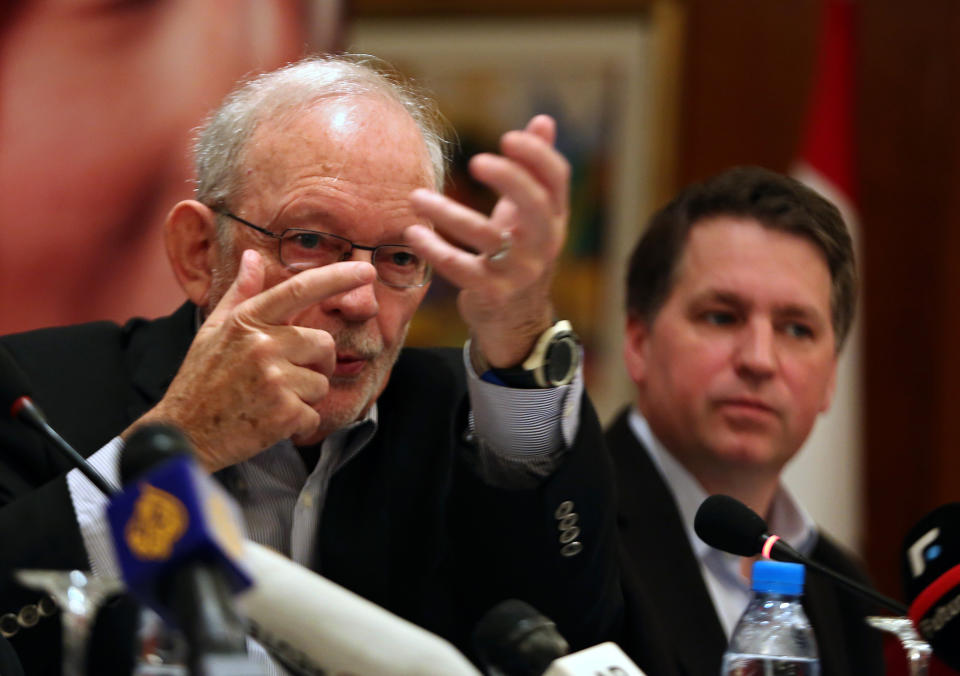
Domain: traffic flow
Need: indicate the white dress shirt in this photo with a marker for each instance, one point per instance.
(729, 590)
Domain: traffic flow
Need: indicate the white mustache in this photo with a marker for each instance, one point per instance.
(365, 346)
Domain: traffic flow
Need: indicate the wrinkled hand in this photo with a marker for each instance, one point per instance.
(250, 378)
(506, 303)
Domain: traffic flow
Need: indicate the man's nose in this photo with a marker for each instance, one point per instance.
(357, 304)
(756, 350)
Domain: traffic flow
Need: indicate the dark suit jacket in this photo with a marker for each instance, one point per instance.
(406, 523)
(9, 664)
(671, 627)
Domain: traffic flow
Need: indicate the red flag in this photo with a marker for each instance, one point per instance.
(826, 158)
(826, 164)
(826, 476)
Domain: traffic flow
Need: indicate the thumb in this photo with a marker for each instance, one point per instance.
(247, 284)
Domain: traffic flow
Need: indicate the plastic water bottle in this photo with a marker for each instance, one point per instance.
(773, 637)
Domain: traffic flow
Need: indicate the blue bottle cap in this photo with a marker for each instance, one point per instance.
(778, 577)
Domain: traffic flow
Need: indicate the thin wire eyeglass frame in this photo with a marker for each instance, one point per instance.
(427, 271)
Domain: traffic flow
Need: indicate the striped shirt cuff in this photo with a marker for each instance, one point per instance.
(518, 423)
(90, 506)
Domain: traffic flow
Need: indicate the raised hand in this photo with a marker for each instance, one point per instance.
(250, 378)
(504, 262)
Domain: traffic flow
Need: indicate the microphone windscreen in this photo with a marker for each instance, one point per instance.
(149, 446)
(518, 640)
(931, 576)
(727, 524)
(316, 624)
(13, 381)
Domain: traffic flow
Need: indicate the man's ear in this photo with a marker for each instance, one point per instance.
(634, 348)
(190, 236)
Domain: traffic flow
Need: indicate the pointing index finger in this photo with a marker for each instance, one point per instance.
(280, 303)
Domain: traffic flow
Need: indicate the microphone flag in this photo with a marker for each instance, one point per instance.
(172, 516)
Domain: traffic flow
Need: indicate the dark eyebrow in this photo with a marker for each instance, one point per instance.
(720, 296)
(725, 297)
(805, 312)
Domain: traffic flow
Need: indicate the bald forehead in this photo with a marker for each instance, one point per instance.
(348, 135)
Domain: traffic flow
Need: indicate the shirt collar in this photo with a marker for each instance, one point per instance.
(350, 440)
(787, 517)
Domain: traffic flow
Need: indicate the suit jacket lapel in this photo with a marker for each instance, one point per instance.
(399, 479)
(661, 559)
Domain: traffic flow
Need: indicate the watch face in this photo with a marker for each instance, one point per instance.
(561, 361)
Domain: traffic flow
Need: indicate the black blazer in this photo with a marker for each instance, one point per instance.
(406, 523)
(671, 627)
(9, 664)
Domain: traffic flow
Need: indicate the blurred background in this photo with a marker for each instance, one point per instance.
(99, 99)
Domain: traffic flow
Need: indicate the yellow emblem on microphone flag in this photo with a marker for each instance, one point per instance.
(158, 521)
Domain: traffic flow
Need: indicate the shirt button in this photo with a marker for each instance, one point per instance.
(306, 500)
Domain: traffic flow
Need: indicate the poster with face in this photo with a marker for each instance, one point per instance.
(99, 100)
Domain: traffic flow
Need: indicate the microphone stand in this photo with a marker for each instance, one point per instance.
(785, 552)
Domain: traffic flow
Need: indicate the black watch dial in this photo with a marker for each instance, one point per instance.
(561, 360)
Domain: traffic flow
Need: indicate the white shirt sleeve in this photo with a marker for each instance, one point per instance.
(90, 506)
(528, 429)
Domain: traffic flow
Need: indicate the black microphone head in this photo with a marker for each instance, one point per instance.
(13, 381)
(727, 524)
(149, 446)
(513, 638)
(931, 580)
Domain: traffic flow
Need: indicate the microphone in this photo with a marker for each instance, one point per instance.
(727, 524)
(605, 659)
(318, 627)
(931, 578)
(176, 535)
(15, 398)
(310, 624)
(515, 639)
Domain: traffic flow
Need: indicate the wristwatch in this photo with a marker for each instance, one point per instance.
(554, 361)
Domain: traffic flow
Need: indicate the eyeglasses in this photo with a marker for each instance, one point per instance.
(299, 249)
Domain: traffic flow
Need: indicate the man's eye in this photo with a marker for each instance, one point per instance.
(404, 259)
(307, 240)
(719, 318)
(796, 330)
